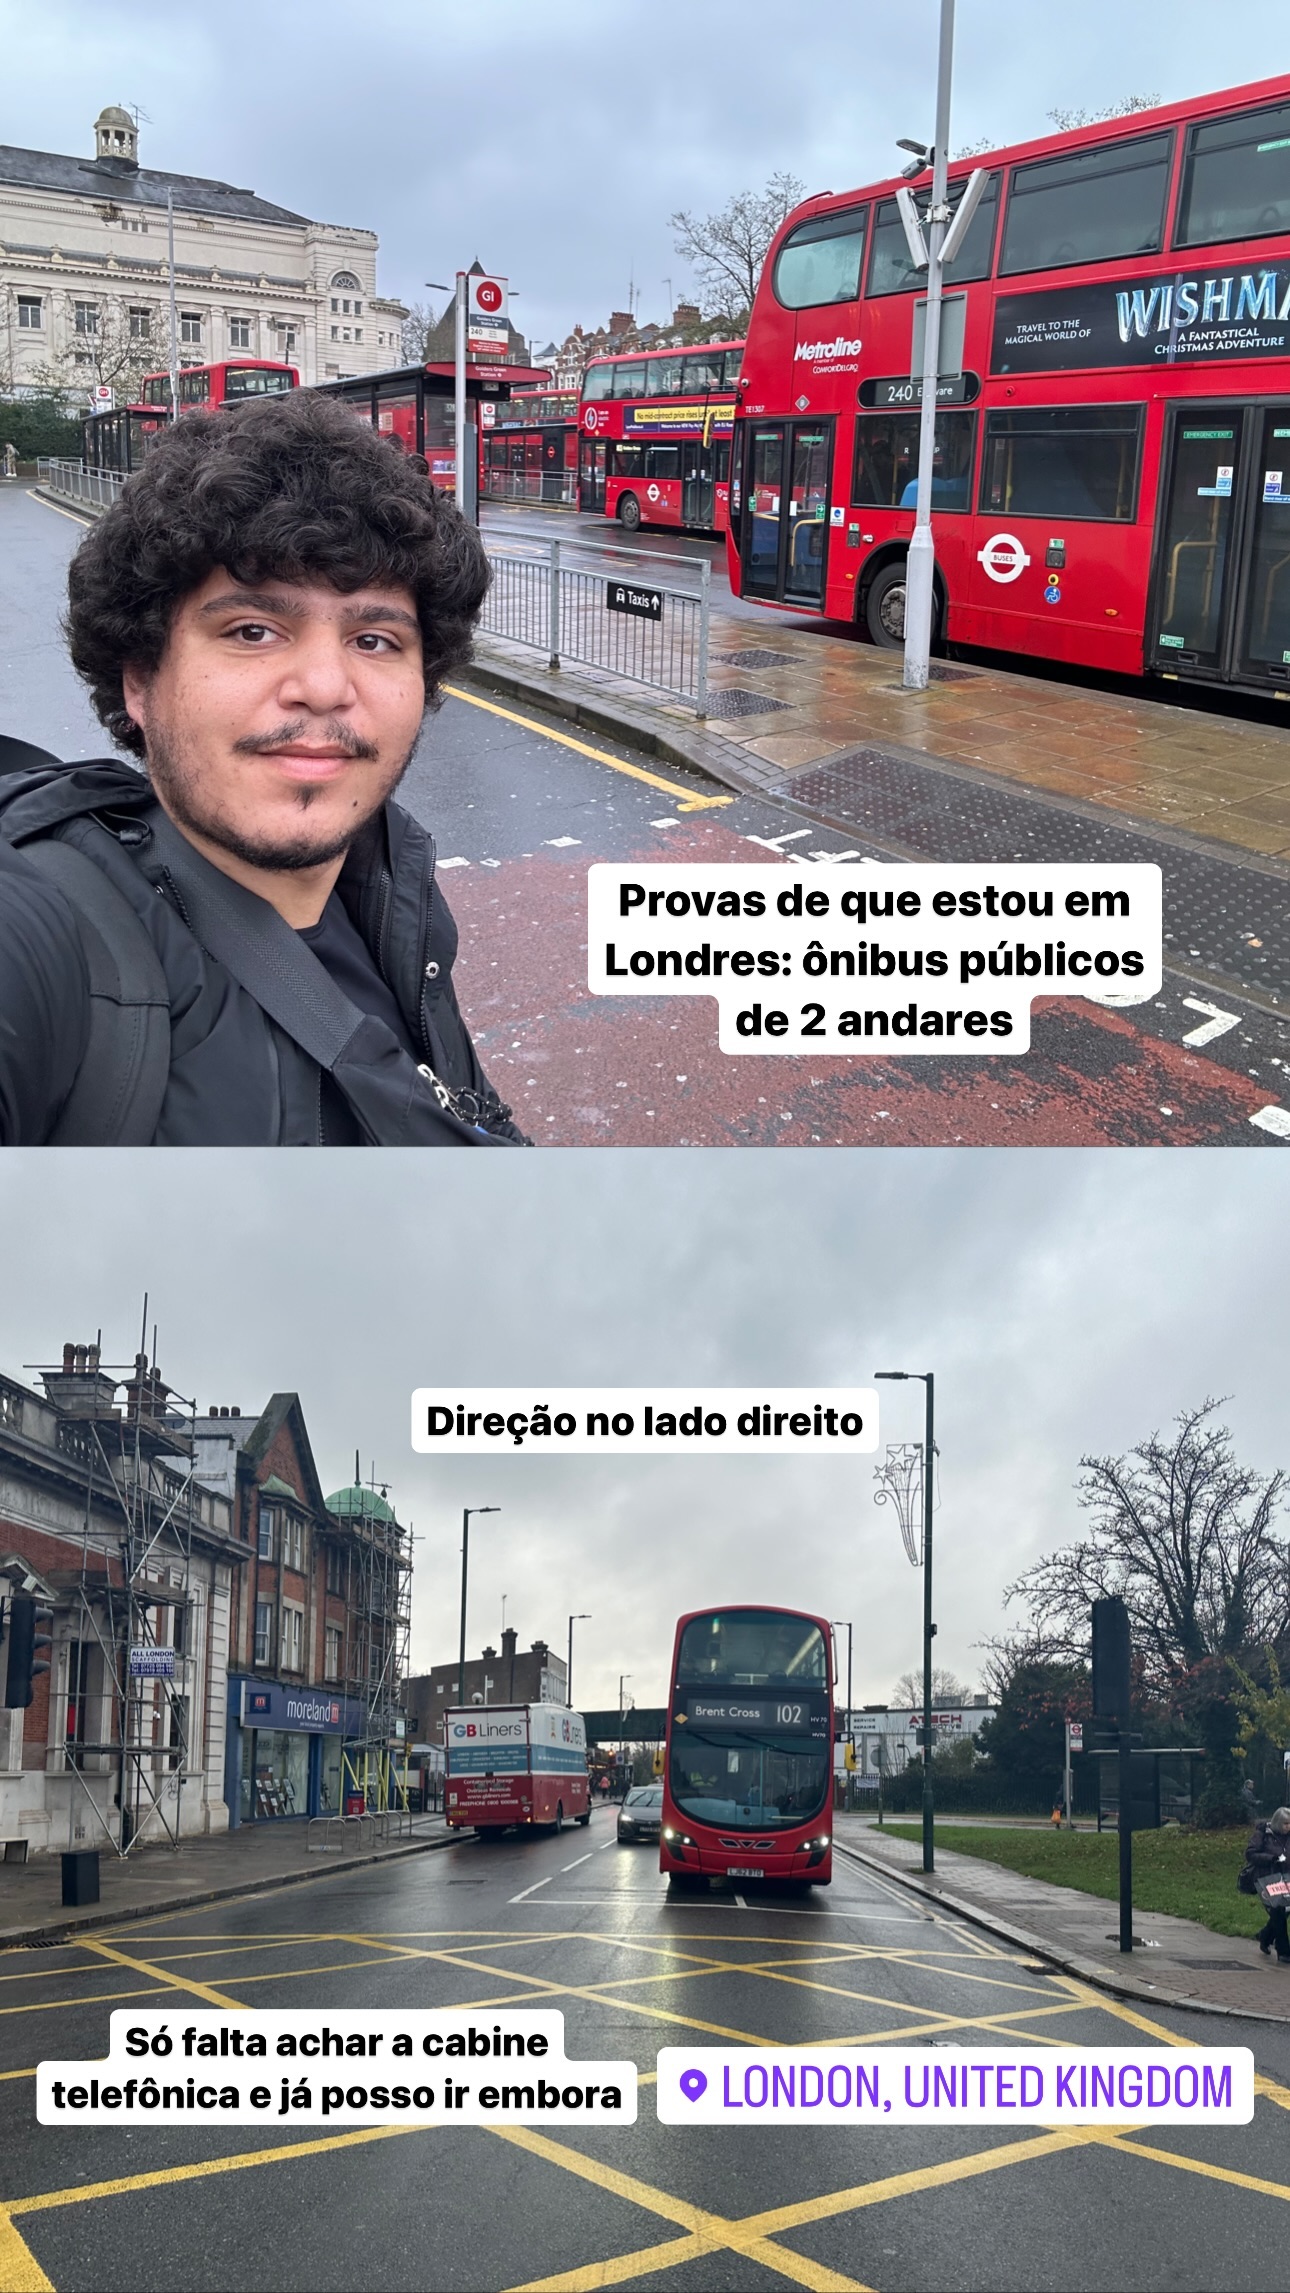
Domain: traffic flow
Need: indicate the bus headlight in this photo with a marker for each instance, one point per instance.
(678, 1838)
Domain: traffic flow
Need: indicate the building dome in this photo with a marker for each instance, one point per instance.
(359, 1504)
(116, 136)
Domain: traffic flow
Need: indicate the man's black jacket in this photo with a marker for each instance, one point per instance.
(236, 1078)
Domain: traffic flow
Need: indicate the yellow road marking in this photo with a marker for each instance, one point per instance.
(20, 2272)
(159, 1974)
(687, 799)
(76, 519)
(709, 2232)
(1271, 2090)
(46, 2200)
(1195, 2165)
(91, 1998)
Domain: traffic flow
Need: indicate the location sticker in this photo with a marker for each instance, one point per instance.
(692, 2083)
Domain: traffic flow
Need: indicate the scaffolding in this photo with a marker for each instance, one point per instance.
(133, 1596)
(378, 1632)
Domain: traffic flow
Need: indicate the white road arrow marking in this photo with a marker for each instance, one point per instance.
(1274, 1119)
(1216, 1022)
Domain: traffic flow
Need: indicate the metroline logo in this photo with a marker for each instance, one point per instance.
(840, 347)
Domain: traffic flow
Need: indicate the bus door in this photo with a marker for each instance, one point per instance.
(786, 512)
(1263, 643)
(591, 474)
(1196, 563)
(553, 465)
(698, 489)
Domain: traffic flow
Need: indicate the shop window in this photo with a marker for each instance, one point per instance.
(279, 1777)
(1062, 462)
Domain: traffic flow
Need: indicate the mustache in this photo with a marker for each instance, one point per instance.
(333, 735)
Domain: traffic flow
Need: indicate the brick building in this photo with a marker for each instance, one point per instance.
(508, 1675)
(318, 1636)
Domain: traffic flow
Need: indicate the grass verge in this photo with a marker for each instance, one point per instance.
(1191, 1874)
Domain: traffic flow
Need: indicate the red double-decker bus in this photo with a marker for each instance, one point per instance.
(528, 448)
(221, 384)
(1112, 469)
(748, 1772)
(655, 436)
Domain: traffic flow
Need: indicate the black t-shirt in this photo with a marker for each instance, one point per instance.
(345, 954)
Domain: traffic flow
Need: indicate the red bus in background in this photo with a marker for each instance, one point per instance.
(1112, 472)
(220, 385)
(655, 436)
(528, 448)
(119, 439)
(748, 1772)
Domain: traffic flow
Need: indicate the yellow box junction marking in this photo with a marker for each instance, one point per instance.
(687, 799)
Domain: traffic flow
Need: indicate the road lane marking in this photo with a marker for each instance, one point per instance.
(741, 1902)
(58, 511)
(687, 799)
(1215, 1023)
(47, 2200)
(576, 1861)
(1127, 2141)
(20, 2272)
(608, 1844)
(94, 1998)
(159, 1974)
(1274, 1119)
(708, 2232)
(523, 1898)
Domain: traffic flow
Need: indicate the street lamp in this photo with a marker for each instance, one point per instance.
(925, 1378)
(583, 1617)
(465, 1552)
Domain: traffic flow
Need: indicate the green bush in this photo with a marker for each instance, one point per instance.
(39, 426)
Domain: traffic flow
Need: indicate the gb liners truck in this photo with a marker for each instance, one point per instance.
(515, 1764)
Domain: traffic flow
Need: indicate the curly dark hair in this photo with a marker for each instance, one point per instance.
(295, 488)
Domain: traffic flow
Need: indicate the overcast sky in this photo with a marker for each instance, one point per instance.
(555, 142)
(1067, 1302)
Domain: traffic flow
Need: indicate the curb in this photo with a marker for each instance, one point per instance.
(66, 1931)
(620, 720)
(1087, 1970)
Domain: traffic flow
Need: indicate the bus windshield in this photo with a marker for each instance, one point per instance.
(748, 1781)
(753, 1648)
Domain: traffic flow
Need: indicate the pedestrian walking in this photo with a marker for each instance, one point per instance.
(1267, 1860)
(231, 935)
(1250, 1799)
(11, 461)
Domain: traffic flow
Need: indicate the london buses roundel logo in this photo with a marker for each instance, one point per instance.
(590, 418)
(1003, 557)
(488, 295)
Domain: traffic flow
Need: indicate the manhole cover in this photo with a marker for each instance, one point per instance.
(737, 701)
(756, 657)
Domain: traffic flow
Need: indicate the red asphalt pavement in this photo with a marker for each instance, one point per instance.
(587, 1070)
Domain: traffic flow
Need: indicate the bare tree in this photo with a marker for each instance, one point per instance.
(947, 1688)
(1064, 119)
(1184, 1533)
(109, 353)
(417, 329)
(727, 250)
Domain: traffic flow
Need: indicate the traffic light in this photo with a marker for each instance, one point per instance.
(24, 1642)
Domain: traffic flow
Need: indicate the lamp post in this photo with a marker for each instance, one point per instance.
(921, 561)
(840, 1623)
(927, 1379)
(465, 1554)
(583, 1617)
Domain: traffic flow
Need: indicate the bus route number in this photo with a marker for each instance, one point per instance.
(789, 1715)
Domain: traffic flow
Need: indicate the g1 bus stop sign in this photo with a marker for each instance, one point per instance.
(646, 604)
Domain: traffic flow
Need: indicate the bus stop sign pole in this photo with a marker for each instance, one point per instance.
(921, 561)
(1111, 1709)
(459, 392)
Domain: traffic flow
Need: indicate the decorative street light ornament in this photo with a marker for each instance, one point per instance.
(900, 1482)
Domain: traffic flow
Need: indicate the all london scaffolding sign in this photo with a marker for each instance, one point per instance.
(1223, 314)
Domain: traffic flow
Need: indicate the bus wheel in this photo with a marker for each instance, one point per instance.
(884, 608)
(559, 1817)
(629, 512)
(584, 1820)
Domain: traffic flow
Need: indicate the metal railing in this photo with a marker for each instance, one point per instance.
(97, 489)
(629, 624)
(340, 1831)
(558, 488)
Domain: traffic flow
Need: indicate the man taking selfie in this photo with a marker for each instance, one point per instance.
(243, 942)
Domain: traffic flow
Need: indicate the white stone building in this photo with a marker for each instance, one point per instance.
(83, 256)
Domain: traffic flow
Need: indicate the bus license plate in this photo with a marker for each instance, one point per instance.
(744, 1871)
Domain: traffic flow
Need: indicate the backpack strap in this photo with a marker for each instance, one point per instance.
(116, 1098)
(270, 960)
